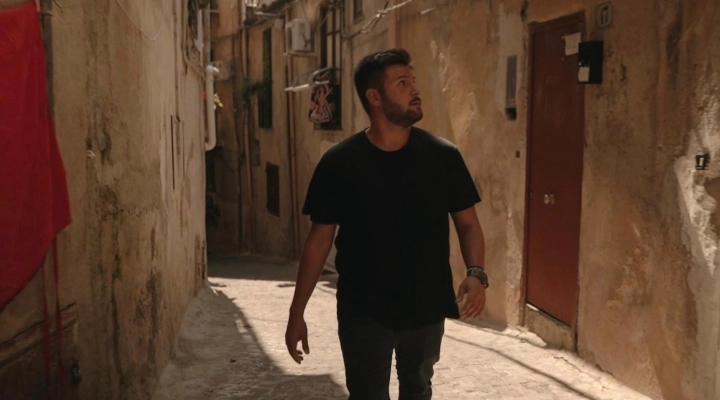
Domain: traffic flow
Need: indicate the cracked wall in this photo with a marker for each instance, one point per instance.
(130, 124)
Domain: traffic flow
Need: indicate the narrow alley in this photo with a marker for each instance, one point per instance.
(230, 346)
(163, 164)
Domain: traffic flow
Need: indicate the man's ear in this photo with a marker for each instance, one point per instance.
(374, 97)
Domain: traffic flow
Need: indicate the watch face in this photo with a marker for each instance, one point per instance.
(480, 274)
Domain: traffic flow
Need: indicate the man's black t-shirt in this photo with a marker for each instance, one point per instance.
(392, 211)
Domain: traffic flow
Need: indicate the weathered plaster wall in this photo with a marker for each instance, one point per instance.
(648, 292)
(642, 295)
(224, 227)
(134, 255)
(634, 298)
(272, 235)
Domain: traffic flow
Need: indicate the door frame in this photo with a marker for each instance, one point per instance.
(534, 28)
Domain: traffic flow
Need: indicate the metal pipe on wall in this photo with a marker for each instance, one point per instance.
(393, 27)
(210, 73)
(238, 119)
(243, 130)
(248, 150)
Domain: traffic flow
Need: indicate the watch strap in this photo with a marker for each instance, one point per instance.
(479, 272)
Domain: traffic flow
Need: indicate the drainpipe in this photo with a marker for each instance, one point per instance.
(238, 118)
(393, 27)
(292, 148)
(246, 144)
(210, 73)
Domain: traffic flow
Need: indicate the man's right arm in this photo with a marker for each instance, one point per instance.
(314, 254)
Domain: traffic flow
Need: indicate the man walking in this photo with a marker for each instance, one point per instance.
(389, 189)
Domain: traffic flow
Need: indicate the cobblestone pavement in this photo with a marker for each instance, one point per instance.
(231, 346)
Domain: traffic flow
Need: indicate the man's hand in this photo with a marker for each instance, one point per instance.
(315, 252)
(474, 291)
(472, 244)
(296, 332)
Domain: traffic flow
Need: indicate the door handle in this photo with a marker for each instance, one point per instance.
(549, 199)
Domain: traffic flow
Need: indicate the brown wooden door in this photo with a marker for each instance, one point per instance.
(555, 155)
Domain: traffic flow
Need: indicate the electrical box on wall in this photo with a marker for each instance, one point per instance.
(590, 62)
(299, 38)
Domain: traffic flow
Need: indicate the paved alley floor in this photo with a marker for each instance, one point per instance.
(231, 346)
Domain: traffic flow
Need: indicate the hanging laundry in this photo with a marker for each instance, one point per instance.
(34, 205)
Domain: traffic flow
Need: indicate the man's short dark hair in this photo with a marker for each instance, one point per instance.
(370, 71)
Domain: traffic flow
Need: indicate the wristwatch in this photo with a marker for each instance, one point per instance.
(479, 273)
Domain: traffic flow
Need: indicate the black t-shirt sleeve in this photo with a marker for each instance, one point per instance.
(462, 193)
(322, 200)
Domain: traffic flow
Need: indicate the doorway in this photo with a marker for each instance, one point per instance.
(556, 126)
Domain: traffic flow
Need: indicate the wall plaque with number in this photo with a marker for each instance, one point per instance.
(604, 15)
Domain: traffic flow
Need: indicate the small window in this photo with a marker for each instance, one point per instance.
(210, 173)
(272, 173)
(330, 56)
(330, 36)
(265, 94)
(358, 10)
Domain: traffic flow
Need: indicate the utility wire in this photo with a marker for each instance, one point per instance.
(370, 25)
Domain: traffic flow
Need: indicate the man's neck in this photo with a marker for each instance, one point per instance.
(387, 136)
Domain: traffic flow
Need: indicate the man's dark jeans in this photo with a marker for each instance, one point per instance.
(367, 348)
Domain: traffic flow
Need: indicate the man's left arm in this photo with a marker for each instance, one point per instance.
(472, 244)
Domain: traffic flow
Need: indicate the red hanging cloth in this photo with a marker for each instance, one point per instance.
(34, 205)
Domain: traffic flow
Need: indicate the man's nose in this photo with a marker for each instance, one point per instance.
(415, 90)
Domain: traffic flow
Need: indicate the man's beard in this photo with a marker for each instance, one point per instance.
(395, 113)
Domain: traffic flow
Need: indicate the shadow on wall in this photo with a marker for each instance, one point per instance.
(218, 356)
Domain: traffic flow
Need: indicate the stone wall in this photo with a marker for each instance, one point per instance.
(130, 124)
